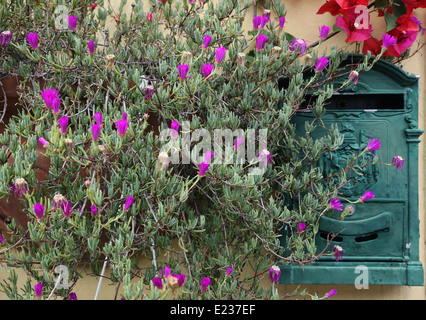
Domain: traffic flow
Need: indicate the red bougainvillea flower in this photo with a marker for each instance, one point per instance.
(336, 204)
(353, 27)
(398, 162)
(411, 4)
(94, 6)
(367, 196)
(373, 45)
(334, 7)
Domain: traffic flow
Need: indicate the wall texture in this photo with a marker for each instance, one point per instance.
(303, 22)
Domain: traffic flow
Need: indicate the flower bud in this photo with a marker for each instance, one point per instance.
(109, 62)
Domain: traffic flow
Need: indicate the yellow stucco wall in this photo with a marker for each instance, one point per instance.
(303, 22)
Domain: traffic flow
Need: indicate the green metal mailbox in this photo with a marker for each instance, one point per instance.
(382, 234)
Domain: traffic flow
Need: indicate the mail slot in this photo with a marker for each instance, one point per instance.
(381, 234)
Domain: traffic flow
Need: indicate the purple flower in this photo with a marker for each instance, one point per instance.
(5, 38)
(96, 129)
(298, 45)
(175, 129)
(180, 278)
(166, 272)
(300, 227)
(267, 14)
(122, 126)
(203, 168)
(98, 118)
(265, 156)
(282, 21)
(274, 274)
(207, 69)
(206, 41)
(32, 39)
(419, 24)
(38, 290)
(63, 124)
(43, 142)
(20, 187)
(158, 283)
(72, 22)
(91, 46)
(183, 70)
(324, 31)
(128, 203)
(205, 282)
(335, 204)
(398, 162)
(261, 41)
(72, 296)
(338, 252)
(2, 239)
(220, 53)
(238, 142)
(257, 20)
(66, 208)
(149, 90)
(388, 40)
(354, 76)
(39, 210)
(51, 99)
(321, 64)
(367, 196)
(228, 271)
(373, 144)
(332, 292)
(94, 210)
(208, 156)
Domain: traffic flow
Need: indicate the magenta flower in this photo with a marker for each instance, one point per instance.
(267, 14)
(367, 196)
(94, 210)
(398, 162)
(282, 21)
(265, 156)
(91, 46)
(180, 278)
(73, 296)
(324, 31)
(388, 40)
(220, 53)
(207, 69)
(238, 142)
(43, 142)
(149, 90)
(96, 129)
(205, 282)
(301, 227)
(354, 76)
(208, 156)
(122, 126)
(128, 203)
(66, 208)
(256, 22)
(39, 210)
(321, 64)
(158, 283)
(63, 124)
(175, 129)
(206, 41)
(98, 118)
(20, 187)
(51, 99)
(228, 271)
(298, 45)
(332, 292)
(419, 24)
(5, 38)
(38, 290)
(274, 274)
(203, 168)
(72, 22)
(261, 41)
(335, 204)
(32, 39)
(2, 239)
(373, 144)
(338, 252)
(183, 70)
